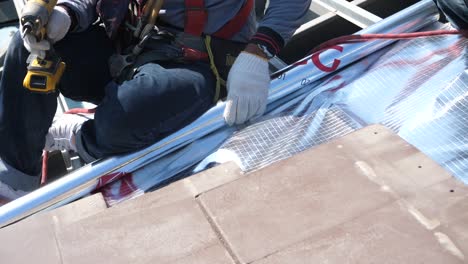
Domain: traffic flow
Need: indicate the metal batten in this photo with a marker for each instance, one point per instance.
(355, 14)
(84, 180)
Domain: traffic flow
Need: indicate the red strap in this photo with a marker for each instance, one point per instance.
(45, 159)
(194, 55)
(195, 17)
(237, 23)
(81, 111)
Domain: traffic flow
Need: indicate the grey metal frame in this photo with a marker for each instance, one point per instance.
(326, 9)
(350, 11)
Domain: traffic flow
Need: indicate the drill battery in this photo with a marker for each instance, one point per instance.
(44, 74)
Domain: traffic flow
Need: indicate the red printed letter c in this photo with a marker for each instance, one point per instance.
(335, 65)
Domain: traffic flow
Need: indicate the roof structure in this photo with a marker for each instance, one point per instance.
(368, 197)
(364, 193)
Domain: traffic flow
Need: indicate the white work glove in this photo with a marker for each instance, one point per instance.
(247, 84)
(57, 27)
(34, 47)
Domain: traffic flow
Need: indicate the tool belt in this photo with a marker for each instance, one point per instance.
(161, 46)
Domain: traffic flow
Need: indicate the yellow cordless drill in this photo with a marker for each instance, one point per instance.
(43, 73)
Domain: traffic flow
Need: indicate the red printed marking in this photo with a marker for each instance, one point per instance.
(333, 44)
(119, 189)
(110, 178)
(339, 86)
(321, 66)
(127, 186)
(315, 58)
(302, 62)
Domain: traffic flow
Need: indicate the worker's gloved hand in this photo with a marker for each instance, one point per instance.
(57, 27)
(34, 47)
(247, 84)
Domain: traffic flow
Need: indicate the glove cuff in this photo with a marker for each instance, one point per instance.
(70, 14)
(269, 39)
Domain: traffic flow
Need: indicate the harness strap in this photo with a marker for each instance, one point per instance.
(237, 23)
(195, 17)
(219, 80)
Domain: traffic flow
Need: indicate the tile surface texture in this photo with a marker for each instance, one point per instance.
(323, 188)
(34, 239)
(368, 197)
(387, 235)
(157, 234)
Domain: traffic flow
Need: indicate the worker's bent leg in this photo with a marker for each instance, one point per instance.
(24, 120)
(158, 101)
(86, 55)
(25, 117)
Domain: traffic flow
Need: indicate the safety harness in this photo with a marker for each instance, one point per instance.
(156, 44)
(196, 17)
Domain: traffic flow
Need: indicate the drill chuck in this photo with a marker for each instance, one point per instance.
(35, 15)
(27, 28)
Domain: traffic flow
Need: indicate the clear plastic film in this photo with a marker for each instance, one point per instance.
(418, 88)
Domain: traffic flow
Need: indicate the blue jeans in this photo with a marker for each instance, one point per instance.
(159, 100)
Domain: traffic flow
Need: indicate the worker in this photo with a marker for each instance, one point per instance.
(159, 96)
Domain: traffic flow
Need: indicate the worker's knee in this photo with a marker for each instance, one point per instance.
(16, 50)
(14, 64)
(159, 93)
(155, 103)
(17, 41)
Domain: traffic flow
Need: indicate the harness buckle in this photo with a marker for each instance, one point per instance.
(194, 55)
